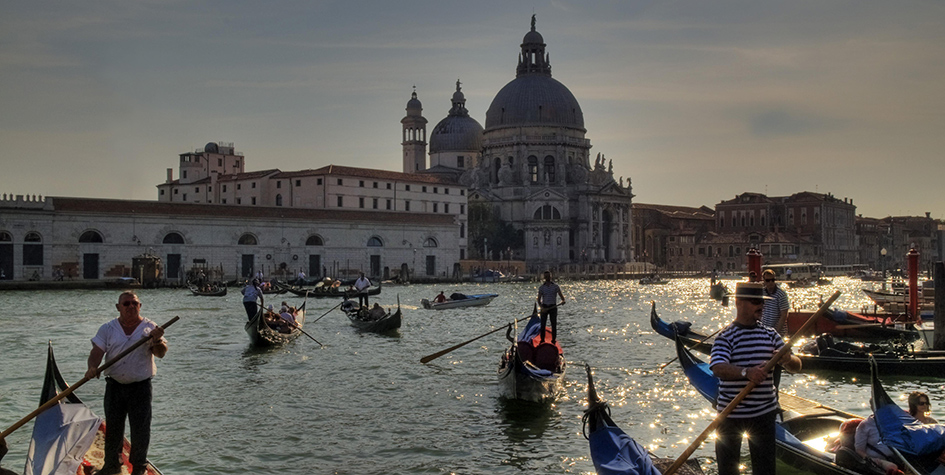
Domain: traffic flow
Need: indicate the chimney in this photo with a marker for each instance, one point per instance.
(170, 175)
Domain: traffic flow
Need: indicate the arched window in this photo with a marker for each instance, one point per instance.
(430, 242)
(247, 240)
(6, 237)
(496, 166)
(91, 236)
(550, 169)
(547, 212)
(32, 249)
(314, 240)
(375, 242)
(173, 238)
(279, 200)
(533, 169)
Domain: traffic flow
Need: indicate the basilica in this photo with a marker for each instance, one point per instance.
(531, 164)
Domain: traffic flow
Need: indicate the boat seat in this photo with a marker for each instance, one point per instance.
(526, 351)
(546, 356)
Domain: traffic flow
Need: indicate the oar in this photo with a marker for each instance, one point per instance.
(858, 325)
(748, 388)
(326, 313)
(71, 389)
(303, 331)
(700, 342)
(429, 358)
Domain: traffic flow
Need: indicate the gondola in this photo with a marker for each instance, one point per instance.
(825, 354)
(529, 369)
(216, 291)
(845, 324)
(262, 335)
(321, 291)
(612, 450)
(377, 322)
(917, 444)
(804, 432)
(458, 301)
(67, 429)
(718, 290)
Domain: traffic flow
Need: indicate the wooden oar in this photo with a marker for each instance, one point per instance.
(857, 325)
(429, 358)
(303, 331)
(748, 388)
(700, 342)
(71, 389)
(326, 313)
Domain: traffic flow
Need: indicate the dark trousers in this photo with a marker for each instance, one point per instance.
(251, 309)
(761, 440)
(134, 402)
(363, 299)
(546, 312)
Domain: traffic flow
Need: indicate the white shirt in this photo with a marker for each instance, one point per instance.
(362, 283)
(137, 365)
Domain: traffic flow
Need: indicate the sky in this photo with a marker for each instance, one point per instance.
(693, 101)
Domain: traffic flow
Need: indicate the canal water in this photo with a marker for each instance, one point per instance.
(364, 404)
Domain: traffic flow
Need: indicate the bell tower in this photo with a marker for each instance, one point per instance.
(415, 136)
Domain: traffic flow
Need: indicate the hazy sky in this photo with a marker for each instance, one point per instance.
(694, 101)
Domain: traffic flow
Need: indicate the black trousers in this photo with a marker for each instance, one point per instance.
(363, 299)
(134, 402)
(251, 309)
(552, 312)
(761, 440)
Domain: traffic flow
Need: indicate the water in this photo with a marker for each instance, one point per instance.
(364, 404)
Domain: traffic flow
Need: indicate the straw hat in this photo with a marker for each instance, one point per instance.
(750, 290)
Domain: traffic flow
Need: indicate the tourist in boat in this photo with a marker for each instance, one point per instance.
(921, 407)
(250, 294)
(776, 307)
(128, 384)
(361, 285)
(439, 298)
(739, 355)
(869, 445)
(548, 293)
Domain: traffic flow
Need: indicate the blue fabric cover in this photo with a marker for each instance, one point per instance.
(900, 430)
(615, 453)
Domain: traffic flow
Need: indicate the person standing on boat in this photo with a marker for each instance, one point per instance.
(361, 285)
(776, 305)
(250, 294)
(127, 382)
(548, 293)
(738, 356)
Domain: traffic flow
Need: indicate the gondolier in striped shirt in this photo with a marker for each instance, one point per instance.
(548, 293)
(739, 355)
(776, 306)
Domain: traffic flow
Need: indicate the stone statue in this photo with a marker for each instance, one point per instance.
(533, 22)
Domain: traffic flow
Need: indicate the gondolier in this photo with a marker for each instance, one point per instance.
(361, 285)
(128, 382)
(250, 294)
(776, 306)
(739, 355)
(548, 293)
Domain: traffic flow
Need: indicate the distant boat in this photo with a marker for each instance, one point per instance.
(458, 300)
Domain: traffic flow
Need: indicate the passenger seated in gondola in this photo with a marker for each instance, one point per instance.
(920, 407)
(288, 317)
(868, 444)
(377, 311)
(439, 298)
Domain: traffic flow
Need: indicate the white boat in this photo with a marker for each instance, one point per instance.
(453, 302)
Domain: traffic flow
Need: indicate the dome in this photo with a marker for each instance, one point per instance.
(534, 100)
(414, 108)
(458, 131)
(211, 148)
(533, 97)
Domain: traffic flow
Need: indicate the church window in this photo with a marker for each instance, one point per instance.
(33, 249)
(247, 240)
(533, 168)
(547, 212)
(430, 242)
(496, 166)
(314, 240)
(219, 162)
(173, 238)
(340, 201)
(550, 169)
(91, 236)
(375, 242)
(278, 183)
(184, 174)
(279, 200)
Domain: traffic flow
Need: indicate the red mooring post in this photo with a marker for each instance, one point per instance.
(754, 265)
(912, 258)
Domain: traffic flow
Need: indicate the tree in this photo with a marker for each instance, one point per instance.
(484, 224)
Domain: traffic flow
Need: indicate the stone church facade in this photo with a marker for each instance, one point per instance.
(531, 164)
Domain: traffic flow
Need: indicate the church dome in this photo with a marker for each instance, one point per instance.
(414, 108)
(534, 97)
(211, 147)
(458, 131)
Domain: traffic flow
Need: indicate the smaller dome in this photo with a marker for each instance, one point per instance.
(533, 38)
(211, 148)
(414, 107)
(456, 134)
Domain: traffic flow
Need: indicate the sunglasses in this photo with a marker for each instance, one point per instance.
(756, 301)
(130, 303)
(769, 280)
(924, 403)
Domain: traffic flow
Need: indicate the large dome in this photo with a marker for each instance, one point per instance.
(534, 99)
(458, 131)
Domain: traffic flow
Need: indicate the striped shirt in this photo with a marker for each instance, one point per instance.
(746, 347)
(773, 307)
(548, 293)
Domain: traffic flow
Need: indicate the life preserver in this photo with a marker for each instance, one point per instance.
(269, 256)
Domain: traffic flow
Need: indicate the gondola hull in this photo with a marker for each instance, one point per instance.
(262, 335)
(532, 370)
(218, 292)
(364, 322)
(516, 383)
(323, 293)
